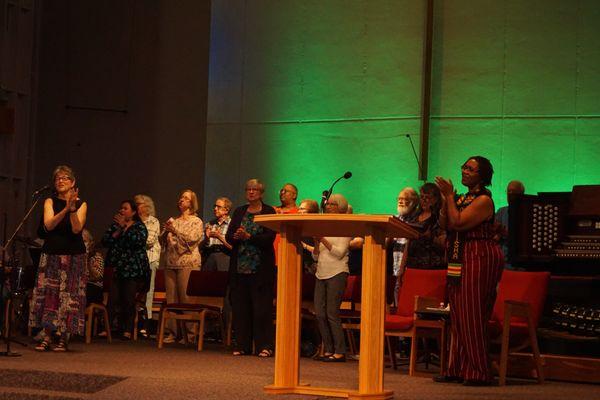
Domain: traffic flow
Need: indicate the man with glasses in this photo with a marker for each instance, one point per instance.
(216, 250)
(288, 195)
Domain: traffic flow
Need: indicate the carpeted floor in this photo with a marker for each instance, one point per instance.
(138, 370)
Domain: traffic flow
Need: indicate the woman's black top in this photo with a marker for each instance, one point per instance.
(61, 239)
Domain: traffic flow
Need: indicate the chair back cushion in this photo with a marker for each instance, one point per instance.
(159, 281)
(350, 291)
(207, 283)
(308, 286)
(107, 279)
(528, 287)
(420, 282)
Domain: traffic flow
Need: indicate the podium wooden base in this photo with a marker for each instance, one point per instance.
(374, 228)
(330, 392)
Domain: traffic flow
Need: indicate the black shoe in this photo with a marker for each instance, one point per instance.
(447, 379)
(473, 382)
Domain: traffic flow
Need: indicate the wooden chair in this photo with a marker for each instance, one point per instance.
(420, 289)
(93, 309)
(350, 310)
(207, 291)
(517, 311)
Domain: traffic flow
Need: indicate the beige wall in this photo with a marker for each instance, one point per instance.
(122, 99)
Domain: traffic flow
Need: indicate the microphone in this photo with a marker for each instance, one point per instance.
(327, 193)
(41, 190)
(415, 153)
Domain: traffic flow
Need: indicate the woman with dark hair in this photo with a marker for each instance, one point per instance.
(475, 263)
(58, 303)
(429, 250)
(126, 242)
(252, 274)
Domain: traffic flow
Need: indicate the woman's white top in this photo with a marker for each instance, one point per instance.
(332, 262)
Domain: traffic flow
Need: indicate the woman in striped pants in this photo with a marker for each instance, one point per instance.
(475, 263)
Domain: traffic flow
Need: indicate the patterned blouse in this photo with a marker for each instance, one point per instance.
(127, 253)
(182, 247)
(152, 243)
(96, 269)
(248, 254)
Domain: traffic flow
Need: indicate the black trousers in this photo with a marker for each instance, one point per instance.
(252, 306)
(121, 303)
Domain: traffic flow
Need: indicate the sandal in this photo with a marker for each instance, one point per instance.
(61, 346)
(239, 353)
(44, 345)
(264, 353)
(324, 356)
(333, 358)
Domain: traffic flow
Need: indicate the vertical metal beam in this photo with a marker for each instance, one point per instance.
(426, 89)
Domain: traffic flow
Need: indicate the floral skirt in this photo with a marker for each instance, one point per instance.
(58, 301)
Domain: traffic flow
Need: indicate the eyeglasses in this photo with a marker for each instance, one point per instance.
(219, 207)
(282, 191)
(62, 178)
(468, 168)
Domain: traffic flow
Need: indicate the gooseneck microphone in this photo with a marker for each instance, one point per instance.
(415, 153)
(327, 193)
(41, 190)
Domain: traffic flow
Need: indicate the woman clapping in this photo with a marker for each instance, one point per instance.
(126, 240)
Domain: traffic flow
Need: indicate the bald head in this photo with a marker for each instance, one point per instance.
(514, 189)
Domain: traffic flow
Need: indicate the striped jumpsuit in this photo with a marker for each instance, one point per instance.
(472, 302)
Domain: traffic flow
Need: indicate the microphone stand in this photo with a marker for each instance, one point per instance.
(327, 193)
(4, 250)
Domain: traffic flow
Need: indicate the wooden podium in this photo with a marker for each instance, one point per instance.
(374, 228)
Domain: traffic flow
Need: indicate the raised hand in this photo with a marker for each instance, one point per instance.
(71, 199)
(446, 186)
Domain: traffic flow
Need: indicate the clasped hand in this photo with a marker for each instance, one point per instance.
(71, 199)
(119, 220)
(241, 234)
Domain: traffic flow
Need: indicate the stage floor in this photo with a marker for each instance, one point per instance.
(138, 370)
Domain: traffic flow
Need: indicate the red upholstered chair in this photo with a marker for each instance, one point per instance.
(206, 290)
(517, 311)
(350, 310)
(420, 289)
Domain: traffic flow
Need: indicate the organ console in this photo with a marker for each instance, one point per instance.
(559, 230)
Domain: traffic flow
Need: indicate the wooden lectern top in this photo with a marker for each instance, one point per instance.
(350, 225)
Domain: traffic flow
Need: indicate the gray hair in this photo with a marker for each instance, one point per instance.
(147, 200)
(256, 182)
(341, 202)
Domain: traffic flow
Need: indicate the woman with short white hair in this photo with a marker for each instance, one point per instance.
(331, 254)
(147, 213)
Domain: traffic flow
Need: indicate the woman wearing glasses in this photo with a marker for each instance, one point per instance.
(475, 263)
(58, 302)
(182, 236)
(252, 274)
(331, 254)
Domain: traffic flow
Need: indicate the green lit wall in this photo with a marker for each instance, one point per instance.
(302, 91)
